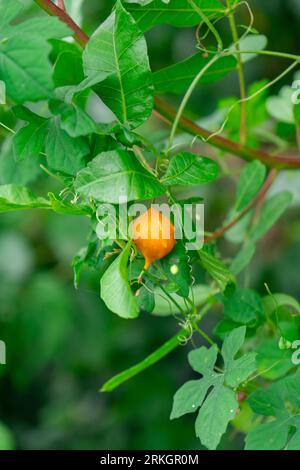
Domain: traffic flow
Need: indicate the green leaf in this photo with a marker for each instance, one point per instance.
(270, 213)
(116, 174)
(203, 360)
(24, 50)
(13, 172)
(25, 68)
(252, 42)
(146, 300)
(85, 257)
(65, 207)
(188, 169)
(8, 11)
(239, 370)
(189, 397)
(97, 256)
(201, 293)
(266, 402)
(280, 400)
(115, 288)
(232, 344)
(250, 182)
(236, 372)
(220, 405)
(29, 141)
(177, 12)
(119, 50)
(44, 27)
(294, 443)
(69, 93)
(74, 120)
(216, 268)
(273, 302)
(14, 197)
(177, 77)
(243, 306)
(243, 258)
(288, 388)
(239, 232)
(268, 436)
(224, 327)
(272, 362)
(72, 62)
(281, 107)
(181, 276)
(218, 409)
(64, 153)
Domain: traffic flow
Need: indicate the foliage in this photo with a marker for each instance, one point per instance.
(80, 122)
(219, 406)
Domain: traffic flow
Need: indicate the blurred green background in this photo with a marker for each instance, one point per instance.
(62, 344)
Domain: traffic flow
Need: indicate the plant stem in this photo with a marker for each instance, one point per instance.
(7, 128)
(203, 334)
(54, 10)
(256, 200)
(187, 97)
(240, 71)
(176, 340)
(166, 113)
(171, 299)
(156, 356)
(283, 55)
(208, 23)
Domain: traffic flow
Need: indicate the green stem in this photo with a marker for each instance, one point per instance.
(208, 24)
(7, 128)
(283, 55)
(166, 112)
(203, 334)
(187, 97)
(153, 358)
(240, 71)
(171, 299)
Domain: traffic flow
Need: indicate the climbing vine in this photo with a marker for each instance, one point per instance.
(249, 377)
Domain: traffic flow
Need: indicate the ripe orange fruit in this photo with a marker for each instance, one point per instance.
(154, 236)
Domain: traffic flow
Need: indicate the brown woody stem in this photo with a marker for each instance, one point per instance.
(166, 112)
(256, 200)
(55, 10)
